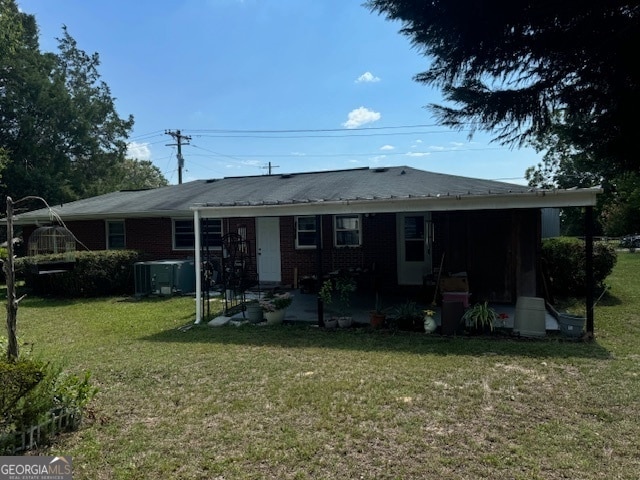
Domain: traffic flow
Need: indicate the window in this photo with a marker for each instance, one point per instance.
(184, 236)
(306, 232)
(347, 230)
(414, 239)
(115, 235)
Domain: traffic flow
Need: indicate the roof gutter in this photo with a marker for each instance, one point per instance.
(31, 218)
(536, 199)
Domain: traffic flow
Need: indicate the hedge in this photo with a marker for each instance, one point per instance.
(565, 259)
(95, 274)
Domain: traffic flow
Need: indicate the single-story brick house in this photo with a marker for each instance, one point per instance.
(398, 223)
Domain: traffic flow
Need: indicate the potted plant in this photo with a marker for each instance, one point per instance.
(345, 286)
(408, 316)
(253, 311)
(377, 315)
(480, 318)
(274, 306)
(338, 292)
(326, 295)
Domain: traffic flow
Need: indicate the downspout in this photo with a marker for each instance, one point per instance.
(588, 223)
(196, 232)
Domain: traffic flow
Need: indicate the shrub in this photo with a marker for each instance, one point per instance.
(32, 390)
(18, 380)
(95, 274)
(565, 259)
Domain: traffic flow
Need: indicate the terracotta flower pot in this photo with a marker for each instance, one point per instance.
(376, 319)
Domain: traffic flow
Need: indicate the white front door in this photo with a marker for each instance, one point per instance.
(268, 242)
(415, 242)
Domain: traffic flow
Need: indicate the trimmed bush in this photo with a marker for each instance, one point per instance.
(95, 274)
(565, 259)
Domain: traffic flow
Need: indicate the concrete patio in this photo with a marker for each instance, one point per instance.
(304, 309)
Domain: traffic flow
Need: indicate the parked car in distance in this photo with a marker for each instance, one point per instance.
(630, 241)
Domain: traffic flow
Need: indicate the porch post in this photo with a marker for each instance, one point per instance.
(588, 219)
(319, 268)
(196, 232)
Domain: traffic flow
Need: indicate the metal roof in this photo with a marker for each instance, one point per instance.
(362, 189)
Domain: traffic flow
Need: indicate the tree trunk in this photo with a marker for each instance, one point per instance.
(12, 302)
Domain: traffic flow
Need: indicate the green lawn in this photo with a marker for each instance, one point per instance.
(295, 402)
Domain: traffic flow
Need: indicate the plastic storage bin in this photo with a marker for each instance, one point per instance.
(571, 325)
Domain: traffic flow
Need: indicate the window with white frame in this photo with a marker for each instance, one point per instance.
(115, 235)
(184, 233)
(306, 231)
(347, 230)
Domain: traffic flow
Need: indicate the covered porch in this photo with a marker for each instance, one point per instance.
(399, 228)
(305, 306)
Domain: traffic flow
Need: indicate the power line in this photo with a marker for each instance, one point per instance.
(332, 155)
(345, 134)
(308, 130)
(155, 133)
(238, 160)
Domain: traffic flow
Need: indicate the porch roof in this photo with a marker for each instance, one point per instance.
(379, 190)
(363, 190)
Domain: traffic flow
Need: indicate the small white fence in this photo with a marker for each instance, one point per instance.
(36, 435)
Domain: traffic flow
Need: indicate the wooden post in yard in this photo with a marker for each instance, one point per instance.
(12, 302)
(588, 220)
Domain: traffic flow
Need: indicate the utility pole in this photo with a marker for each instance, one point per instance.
(179, 138)
(269, 167)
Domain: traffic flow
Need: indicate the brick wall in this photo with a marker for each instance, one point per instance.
(154, 237)
(376, 254)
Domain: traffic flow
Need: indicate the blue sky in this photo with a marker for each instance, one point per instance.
(304, 84)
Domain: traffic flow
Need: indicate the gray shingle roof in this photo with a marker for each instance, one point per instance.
(312, 187)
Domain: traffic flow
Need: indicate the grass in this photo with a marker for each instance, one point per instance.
(295, 402)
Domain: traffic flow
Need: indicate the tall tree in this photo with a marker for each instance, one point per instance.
(139, 174)
(521, 69)
(98, 135)
(59, 128)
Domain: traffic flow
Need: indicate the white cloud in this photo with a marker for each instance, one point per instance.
(377, 158)
(367, 77)
(138, 151)
(387, 147)
(418, 154)
(361, 116)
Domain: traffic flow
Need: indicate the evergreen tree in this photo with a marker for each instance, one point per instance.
(521, 69)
